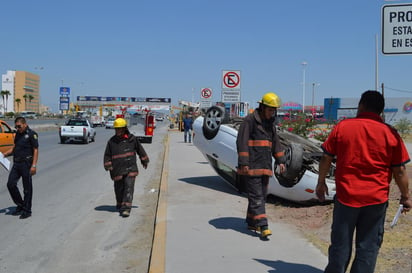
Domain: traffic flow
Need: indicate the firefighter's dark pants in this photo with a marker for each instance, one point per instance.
(21, 169)
(257, 187)
(124, 189)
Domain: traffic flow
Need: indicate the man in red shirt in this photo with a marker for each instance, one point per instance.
(368, 154)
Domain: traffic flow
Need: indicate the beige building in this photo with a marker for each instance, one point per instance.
(27, 87)
(24, 88)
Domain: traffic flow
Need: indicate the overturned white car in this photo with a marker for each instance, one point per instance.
(215, 136)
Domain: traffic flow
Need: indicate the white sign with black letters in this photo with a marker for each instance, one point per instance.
(230, 96)
(397, 29)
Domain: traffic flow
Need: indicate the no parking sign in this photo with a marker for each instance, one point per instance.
(206, 93)
(231, 80)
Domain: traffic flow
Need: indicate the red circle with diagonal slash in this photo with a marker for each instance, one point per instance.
(206, 93)
(231, 79)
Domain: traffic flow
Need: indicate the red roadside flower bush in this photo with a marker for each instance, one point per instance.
(306, 126)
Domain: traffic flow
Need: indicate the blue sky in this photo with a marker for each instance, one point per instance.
(174, 48)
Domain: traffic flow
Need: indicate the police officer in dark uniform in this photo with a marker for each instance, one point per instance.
(25, 154)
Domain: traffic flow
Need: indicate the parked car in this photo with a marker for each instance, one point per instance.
(215, 136)
(110, 123)
(6, 136)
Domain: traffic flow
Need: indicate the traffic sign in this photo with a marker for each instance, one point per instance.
(231, 80)
(205, 104)
(64, 91)
(397, 29)
(206, 93)
(230, 96)
(64, 103)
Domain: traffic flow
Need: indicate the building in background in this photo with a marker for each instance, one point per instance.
(24, 88)
(7, 84)
(395, 109)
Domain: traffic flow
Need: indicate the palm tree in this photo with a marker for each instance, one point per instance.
(18, 102)
(25, 97)
(5, 94)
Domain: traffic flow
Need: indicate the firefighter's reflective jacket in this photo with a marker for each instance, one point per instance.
(120, 156)
(257, 142)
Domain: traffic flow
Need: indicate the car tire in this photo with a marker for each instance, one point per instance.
(62, 140)
(294, 162)
(86, 140)
(212, 120)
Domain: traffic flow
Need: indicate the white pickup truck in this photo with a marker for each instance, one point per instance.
(77, 129)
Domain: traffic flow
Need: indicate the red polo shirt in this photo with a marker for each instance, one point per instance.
(365, 150)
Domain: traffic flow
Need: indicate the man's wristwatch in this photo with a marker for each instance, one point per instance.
(33, 166)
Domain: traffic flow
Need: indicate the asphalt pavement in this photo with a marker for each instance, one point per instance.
(200, 225)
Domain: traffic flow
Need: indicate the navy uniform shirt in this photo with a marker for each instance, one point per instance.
(24, 144)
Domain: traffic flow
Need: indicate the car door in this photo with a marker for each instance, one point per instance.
(6, 137)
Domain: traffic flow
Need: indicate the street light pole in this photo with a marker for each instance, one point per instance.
(304, 64)
(313, 93)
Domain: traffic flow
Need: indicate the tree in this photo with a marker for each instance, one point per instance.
(5, 94)
(25, 97)
(18, 102)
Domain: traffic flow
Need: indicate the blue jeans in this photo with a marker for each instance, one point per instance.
(188, 132)
(369, 224)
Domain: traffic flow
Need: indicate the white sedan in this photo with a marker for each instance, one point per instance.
(215, 136)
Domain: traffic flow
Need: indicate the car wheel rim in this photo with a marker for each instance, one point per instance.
(213, 120)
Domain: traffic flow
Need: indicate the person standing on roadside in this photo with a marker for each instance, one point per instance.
(25, 155)
(368, 154)
(120, 159)
(187, 127)
(257, 142)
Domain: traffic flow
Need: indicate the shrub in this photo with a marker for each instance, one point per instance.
(297, 123)
(306, 126)
(404, 127)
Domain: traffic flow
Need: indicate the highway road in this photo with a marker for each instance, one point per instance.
(75, 226)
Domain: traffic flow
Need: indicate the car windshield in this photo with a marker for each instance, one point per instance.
(77, 123)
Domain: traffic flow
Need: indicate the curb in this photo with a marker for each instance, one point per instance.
(158, 254)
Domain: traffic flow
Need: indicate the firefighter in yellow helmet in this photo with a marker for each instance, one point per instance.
(257, 142)
(120, 159)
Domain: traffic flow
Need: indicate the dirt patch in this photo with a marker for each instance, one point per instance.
(315, 221)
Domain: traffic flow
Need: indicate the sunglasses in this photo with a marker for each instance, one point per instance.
(17, 126)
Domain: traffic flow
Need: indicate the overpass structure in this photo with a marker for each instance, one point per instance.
(93, 104)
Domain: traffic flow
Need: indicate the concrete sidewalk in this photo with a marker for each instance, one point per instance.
(205, 228)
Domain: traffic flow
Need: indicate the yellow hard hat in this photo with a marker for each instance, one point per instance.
(120, 123)
(271, 99)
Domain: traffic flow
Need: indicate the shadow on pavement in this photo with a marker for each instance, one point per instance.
(233, 223)
(109, 208)
(8, 211)
(285, 267)
(211, 182)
